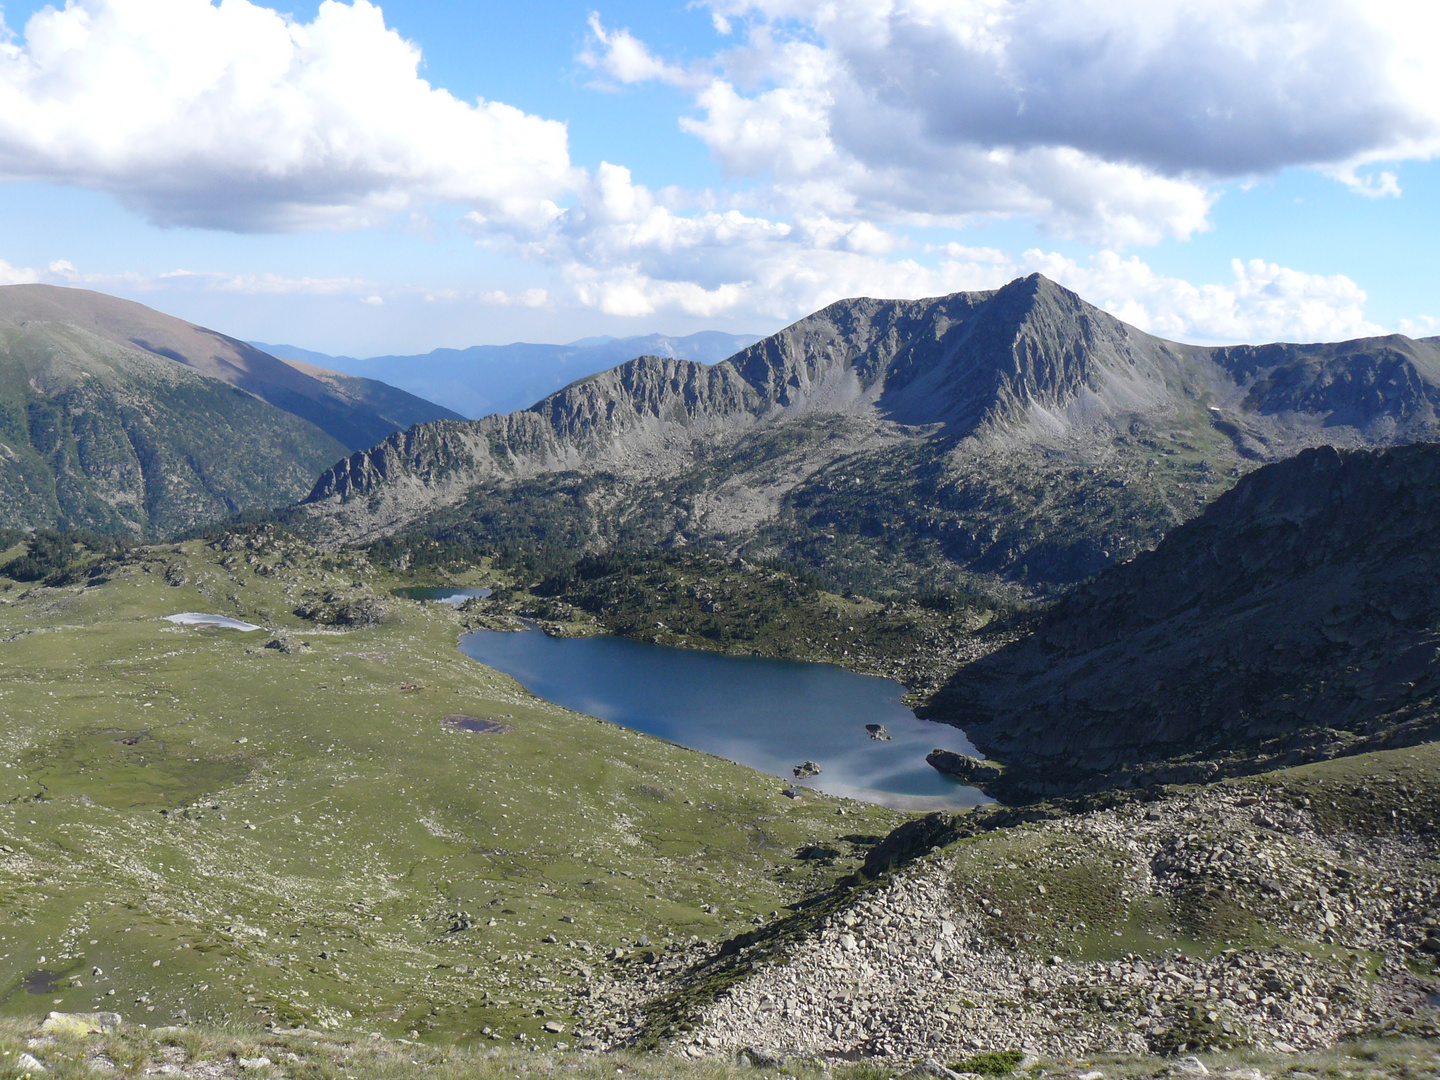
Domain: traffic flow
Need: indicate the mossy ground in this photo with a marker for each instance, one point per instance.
(231, 833)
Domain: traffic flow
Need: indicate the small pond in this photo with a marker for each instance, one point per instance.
(768, 714)
(443, 594)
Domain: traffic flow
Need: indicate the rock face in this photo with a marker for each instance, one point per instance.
(1020, 434)
(1295, 619)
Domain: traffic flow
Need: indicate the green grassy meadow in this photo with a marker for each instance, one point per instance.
(195, 828)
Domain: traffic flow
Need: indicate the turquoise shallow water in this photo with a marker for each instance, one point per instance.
(768, 714)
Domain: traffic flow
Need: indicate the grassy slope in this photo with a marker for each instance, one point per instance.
(274, 807)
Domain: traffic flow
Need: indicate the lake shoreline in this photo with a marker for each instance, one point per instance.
(761, 716)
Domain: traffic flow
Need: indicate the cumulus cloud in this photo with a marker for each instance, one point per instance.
(624, 252)
(234, 116)
(623, 57)
(17, 275)
(1108, 121)
(1262, 301)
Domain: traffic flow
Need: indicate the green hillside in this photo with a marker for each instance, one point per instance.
(94, 435)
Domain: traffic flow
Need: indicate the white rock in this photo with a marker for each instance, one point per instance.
(29, 1063)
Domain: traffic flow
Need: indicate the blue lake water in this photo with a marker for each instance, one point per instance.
(443, 595)
(768, 714)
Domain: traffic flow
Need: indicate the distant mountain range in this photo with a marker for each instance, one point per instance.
(115, 417)
(1017, 439)
(1295, 620)
(486, 379)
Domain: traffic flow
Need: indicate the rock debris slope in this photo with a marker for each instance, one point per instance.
(1296, 619)
(1019, 435)
(1079, 936)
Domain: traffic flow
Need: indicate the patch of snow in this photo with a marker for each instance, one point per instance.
(197, 618)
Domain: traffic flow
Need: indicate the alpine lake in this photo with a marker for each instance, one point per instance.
(772, 715)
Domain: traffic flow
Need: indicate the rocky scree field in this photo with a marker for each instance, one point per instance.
(200, 1053)
(1287, 912)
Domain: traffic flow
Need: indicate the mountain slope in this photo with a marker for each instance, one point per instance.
(393, 405)
(1019, 436)
(1296, 619)
(134, 326)
(102, 436)
(487, 379)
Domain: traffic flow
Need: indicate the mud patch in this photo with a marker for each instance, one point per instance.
(460, 722)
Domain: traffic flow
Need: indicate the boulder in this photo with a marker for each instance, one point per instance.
(806, 769)
(95, 1023)
(878, 732)
(963, 766)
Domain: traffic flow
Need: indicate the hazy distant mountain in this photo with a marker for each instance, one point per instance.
(1295, 619)
(486, 379)
(116, 417)
(1019, 435)
(393, 405)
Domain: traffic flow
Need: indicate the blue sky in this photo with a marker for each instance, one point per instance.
(323, 174)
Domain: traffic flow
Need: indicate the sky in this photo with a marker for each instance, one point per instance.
(365, 178)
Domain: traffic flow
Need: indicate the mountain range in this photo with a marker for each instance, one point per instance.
(118, 418)
(1018, 439)
(486, 379)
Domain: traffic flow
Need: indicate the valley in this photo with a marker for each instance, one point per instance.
(1178, 599)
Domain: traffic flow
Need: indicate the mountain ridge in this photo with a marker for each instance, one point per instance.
(118, 418)
(980, 419)
(209, 352)
(484, 380)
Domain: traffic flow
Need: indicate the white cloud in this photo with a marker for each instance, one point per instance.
(622, 252)
(234, 116)
(624, 58)
(17, 275)
(530, 298)
(1263, 301)
(1420, 326)
(1108, 121)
